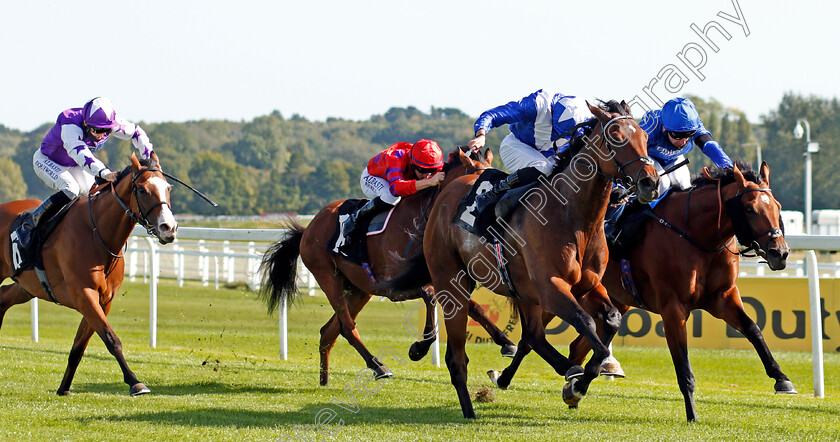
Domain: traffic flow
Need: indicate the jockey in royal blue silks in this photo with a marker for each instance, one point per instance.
(540, 128)
(672, 133)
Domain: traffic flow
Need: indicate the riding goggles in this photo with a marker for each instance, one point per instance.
(100, 130)
(423, 170)
(681, 135)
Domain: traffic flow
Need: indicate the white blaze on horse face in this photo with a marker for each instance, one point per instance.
(160, 187)
(765, 199)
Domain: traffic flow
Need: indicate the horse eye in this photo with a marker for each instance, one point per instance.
(750, 209)
(143, 190)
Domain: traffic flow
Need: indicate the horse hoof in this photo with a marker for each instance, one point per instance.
(63, 392)
(509, 350)
(382, 372)
(138, 389)
(573, 373)
(570, 396)
(611, 367)
(785, 387)
(494, 376)
(417, 351)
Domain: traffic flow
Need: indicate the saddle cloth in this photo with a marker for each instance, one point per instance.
(356, 253)
(28, 256)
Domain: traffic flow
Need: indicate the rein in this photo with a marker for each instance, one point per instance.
(684, 234)
(736, 213)
(142, 219)
(743, 231)
(627, 181)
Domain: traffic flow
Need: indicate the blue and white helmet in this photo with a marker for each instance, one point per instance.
(680, 115)
(100, 112)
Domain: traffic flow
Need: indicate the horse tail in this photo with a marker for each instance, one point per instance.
(279, 268)
(415, 275)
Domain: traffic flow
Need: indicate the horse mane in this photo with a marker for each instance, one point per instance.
(453, 160)
(584, 129)
(145, 163)
(726, 175)
(612, 106)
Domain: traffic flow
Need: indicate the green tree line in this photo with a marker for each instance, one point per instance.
(273, 164)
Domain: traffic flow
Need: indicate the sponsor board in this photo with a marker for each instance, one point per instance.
(779, 306)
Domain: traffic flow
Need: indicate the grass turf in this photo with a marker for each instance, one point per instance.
(216, 374)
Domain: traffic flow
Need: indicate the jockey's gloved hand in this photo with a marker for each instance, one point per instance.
(617, 195)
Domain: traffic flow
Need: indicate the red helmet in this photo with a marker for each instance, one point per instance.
(426, 154)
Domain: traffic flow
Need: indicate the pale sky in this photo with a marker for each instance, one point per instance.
(189, 60)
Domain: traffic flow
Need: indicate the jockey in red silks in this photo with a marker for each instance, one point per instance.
(65, 161)
(400, 170)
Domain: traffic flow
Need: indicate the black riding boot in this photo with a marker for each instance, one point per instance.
(612, 225)
(45, 211)
(364, 214)
(521, 177)
(49, 207)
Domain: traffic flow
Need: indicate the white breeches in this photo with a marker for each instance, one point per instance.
(72, 180)
(374, 186)
(517, 155)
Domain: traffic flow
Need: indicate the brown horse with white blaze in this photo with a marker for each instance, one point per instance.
(81, 257)
(687, 261)
(555, 255)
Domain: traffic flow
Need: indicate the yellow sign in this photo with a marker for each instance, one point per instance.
(779, 306)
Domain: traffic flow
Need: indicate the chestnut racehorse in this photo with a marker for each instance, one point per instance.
(346, 284)
(556, 250)
(82, 257)
(674, 276)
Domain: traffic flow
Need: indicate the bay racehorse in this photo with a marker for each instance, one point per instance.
(82, 257)
(673, 276)
(347, 285)
(556, 251)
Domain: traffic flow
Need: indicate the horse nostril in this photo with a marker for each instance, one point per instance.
(166, 228)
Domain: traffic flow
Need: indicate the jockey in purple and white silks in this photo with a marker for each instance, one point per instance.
(65, 161)
(672, 133)
(540, 128)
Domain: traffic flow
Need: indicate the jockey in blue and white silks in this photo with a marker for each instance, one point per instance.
(672, 133)
(540, 127)
(65, 160)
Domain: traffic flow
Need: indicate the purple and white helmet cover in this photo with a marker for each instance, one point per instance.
(100, 112)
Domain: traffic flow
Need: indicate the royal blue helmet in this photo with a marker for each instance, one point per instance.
(680, 115)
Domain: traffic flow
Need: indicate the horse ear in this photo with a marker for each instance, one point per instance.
(598, 112)
(739, 177)
(764, 173)
(626, 107)
(154, 157)
(135, 164)
(706, 173)
(488, 158)
(468, 162)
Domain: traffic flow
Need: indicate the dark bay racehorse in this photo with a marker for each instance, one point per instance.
(674, 276)
(555, 250)
(81, 256)
(346, 284)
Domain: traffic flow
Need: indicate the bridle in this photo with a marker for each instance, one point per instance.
(142, 218)
(743, 231)
(625, 180)
(735, 209)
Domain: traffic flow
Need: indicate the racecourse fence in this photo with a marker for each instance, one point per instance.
(232, 257)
